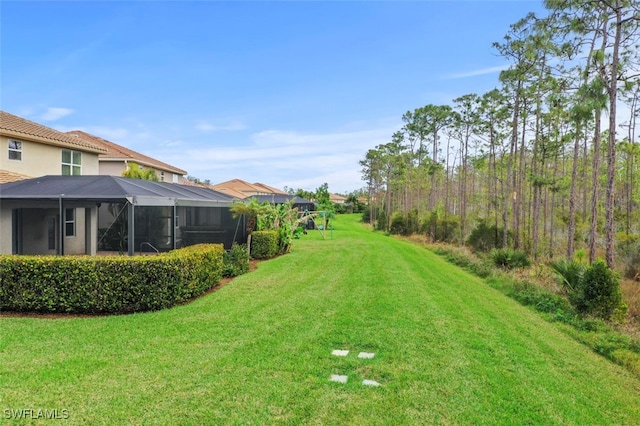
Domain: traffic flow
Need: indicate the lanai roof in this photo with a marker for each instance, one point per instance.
(112, 189)
(281, 199)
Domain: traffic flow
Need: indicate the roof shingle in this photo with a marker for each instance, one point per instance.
(21, 128)
(8, 176)
(113, 151)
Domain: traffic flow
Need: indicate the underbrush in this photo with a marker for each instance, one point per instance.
(534, 287)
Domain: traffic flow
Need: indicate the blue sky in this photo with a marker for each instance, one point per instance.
(285, 93)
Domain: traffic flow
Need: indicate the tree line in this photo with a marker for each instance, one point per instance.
(545, 160)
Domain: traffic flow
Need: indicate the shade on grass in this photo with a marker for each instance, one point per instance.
(448, 350)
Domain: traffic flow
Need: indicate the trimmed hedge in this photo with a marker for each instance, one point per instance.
(236, 261)
(111, 284)
(264, 244)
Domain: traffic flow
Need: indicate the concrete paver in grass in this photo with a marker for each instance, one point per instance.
(338, 378)
(343, 379)
(366, 355)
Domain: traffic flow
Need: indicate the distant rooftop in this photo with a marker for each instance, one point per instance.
(115, 152)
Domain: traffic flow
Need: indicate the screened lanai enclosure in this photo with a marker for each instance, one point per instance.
(93, 214)
(163, 228)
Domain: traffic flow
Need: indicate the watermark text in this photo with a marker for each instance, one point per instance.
(35, 414)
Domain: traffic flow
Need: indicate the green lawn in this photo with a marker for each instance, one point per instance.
(448, 350)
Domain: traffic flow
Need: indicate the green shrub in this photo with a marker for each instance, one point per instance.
(569, 274)
(264, 244)
(114, 284)
(459, 258)
(399, 225)
(599, 293)
(484, 238)
(542, 300)
(381, 221)
(236, 261)
(628, 252)
(366, 215)
(507, 258)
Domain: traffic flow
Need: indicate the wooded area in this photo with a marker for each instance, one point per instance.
(548, 162)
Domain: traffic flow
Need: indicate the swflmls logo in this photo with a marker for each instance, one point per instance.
(35, 414)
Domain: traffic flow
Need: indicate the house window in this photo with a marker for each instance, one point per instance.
(70, 222)
(15, 150)
(71, 162)
(175, 179)
(161, 176)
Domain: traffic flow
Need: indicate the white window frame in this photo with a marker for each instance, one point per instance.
(17, 150)
(69, 222)
(73, 167)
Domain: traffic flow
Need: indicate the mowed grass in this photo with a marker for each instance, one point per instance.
(448, 350)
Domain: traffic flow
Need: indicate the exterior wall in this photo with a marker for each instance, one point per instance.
(77, 243)
(168, 177)
(6, 219)
(116, 168)
(39, 159)
(112, 168)
(35, 230)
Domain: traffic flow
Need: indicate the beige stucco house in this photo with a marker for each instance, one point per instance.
(116, 159)
(29, 149)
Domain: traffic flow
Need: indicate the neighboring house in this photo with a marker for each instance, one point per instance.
(337, 198)
(114, 161)
(241, 187)
(86, 214)
(31, 149)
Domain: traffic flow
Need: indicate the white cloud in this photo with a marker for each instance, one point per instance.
(288, 158)
(53, 113)
(474, 73)
(205, 126)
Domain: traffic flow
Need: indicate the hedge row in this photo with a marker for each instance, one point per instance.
(264, 244)
(111, 284)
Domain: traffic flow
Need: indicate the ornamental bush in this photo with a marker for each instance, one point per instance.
(113, 284)
(264, 244)
(236, 261)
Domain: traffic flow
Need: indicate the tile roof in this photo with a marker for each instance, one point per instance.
(21, 128)
(270, 189)
(238, 185)
(119, 152)
(231, 192)
(7, 176)
(337, 198)
(246, 188)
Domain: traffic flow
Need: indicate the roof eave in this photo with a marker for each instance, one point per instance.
(46, 141)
